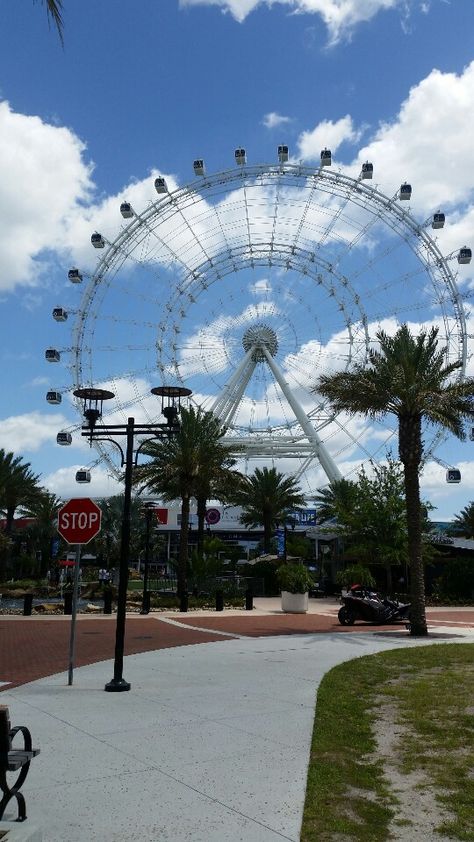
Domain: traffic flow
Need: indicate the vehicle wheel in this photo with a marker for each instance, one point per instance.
(345, 616)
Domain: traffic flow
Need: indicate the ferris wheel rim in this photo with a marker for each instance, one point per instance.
(389, 212)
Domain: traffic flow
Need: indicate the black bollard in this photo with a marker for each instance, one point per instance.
(68, 602)
(248, 599)
(145, 609)
(27, 604)
(183, 601)
(219, 600)
(107, 602)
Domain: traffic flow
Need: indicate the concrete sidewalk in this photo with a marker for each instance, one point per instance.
(210, 744)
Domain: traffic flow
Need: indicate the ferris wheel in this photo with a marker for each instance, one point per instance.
(245, 286)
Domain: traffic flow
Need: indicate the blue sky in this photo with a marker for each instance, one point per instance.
(143, 89)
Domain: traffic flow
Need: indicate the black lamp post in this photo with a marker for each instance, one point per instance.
(92, 403)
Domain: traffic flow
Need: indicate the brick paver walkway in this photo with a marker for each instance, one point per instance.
(31, 647)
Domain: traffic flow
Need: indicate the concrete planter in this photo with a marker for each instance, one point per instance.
(294, 603)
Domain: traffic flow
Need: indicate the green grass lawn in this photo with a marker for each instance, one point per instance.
(429, 694)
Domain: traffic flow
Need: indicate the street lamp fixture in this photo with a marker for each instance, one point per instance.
(92, 400)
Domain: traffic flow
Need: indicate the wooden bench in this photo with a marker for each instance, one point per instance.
(14, 760)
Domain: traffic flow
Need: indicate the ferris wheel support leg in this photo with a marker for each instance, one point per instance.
(239, 393)
(327, 463)
(220, 405)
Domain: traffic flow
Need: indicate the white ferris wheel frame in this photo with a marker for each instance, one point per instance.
(297, 254)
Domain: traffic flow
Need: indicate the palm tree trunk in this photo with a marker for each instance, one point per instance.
(410, 446)
(201, 519)
(183, 547)
(267, 534)
(10, 518)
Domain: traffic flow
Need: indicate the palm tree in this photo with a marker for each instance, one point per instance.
(409, 378)
(190, 464)
(54, 9)
(267, 498)
(19, 486)
(44, 509)
(463, 523)
(338, 497)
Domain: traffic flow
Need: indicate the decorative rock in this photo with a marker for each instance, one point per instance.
(48, 608)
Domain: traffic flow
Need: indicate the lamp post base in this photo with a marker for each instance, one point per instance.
(117, 686)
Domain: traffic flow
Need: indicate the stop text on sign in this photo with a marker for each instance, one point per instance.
(79, 520)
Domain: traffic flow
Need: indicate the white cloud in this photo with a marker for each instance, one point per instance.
(326, 134)
(272, 120)
(63, 483)
(261, 287)
(429, 142)
(341, 17)
(29, 432)
(43, 181)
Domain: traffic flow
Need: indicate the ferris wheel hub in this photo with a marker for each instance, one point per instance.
(260, 336)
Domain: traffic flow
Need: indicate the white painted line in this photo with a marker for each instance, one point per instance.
(199, 629)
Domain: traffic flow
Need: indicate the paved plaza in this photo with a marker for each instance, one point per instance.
(212, 741)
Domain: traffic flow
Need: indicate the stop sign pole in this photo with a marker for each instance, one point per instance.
(78, 523)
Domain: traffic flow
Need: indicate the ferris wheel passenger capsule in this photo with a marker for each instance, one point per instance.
(464, 255)
(367, 170)
(126, 210)
(283, 154)
(453, 475)
(59, 314)
(326, 158)
(438, 220)
(52, 355)
(54, 398)
(160, 185)
(405, 192)
(83, 476)
(97, 241)
(240, 157)
(74, 276)
(199, 168)
(64, 438)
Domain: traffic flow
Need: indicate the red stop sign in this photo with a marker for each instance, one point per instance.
(79, 520)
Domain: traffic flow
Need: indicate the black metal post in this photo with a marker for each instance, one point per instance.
(118, 683)
(27, 604)
(93, 400)
(146, 596)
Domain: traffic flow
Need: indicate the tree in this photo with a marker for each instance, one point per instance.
(375, 522)
(44, 509)
(191, 464)
(334, 502)
(19, 486)
(267, 498)
(54, 9)
(463, 523)
(107, 543)
(409, 378)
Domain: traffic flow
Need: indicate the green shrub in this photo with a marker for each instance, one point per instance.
(294, 578)
(456, 580)
(355, 574)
